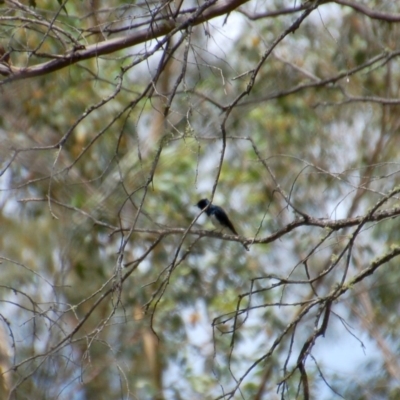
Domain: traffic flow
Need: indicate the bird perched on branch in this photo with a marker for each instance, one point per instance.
(218, 217)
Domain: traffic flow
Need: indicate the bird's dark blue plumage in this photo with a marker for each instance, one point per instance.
(218, 217)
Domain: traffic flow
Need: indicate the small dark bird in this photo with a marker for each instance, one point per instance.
(218, 217)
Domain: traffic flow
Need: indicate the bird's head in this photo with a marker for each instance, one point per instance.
(202, 204)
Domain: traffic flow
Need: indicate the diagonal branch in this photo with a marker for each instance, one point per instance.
(210, 9)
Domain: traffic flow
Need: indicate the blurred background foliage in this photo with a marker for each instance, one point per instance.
(315, 116)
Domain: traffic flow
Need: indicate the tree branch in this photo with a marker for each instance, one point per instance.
(210, 9)
(389, 17)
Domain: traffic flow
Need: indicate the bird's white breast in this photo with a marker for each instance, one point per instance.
(217, 224)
